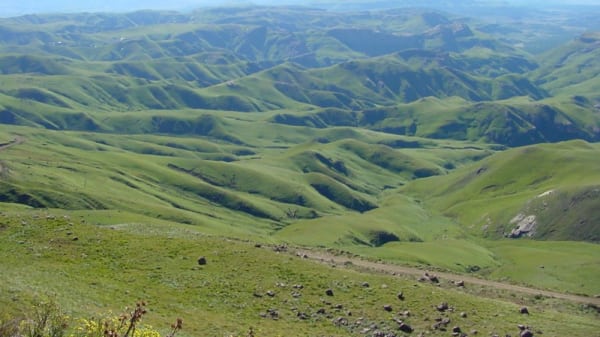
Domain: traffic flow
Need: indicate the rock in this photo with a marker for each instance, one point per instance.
(431, 277)
(524, 310)
(270, 293)
(280, 248)
(272, 313)
(302, 316)
(463, 314)
(365, 284)
(526, 333)
(202, 260)
(329, 292)
(340, 321)
(460, 283)
(405, 328)
(321, 311)
(387, 307)
(474, 332)
(405, 313)
(401, 296)
(442, 306)
(456, 329)
(441, 323)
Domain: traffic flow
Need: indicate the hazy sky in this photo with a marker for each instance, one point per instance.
(19, 7)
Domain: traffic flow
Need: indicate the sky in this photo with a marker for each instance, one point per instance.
(20, 7)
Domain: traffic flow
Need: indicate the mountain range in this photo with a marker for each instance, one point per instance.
(464, 142)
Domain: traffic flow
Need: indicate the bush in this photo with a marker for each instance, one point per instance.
(46, 319)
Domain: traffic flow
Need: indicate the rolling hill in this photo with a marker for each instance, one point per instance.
(414, 137)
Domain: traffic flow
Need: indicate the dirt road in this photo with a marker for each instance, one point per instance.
(18, 140)
(324, 257)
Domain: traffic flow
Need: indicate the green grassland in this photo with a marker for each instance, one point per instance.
(93, 269)
(331, 194)
(131, 144)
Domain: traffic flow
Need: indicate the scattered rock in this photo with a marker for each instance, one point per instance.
(460, 283)
(442, 306)
(365, 284)
(298, 286)
(441, 323)
(526, 333)
(431, 277)
(329, 292)
(271, 313)
(202, 260)
(302, 315)
(280, 248)
(270, 293)
(524, 310)
(456, 329)
(474, 332)
(463, 314)
(340, 321)
(405, 313)
(387, 307)
(258, 245)
(405, 327)
(401, 296)
(321, 311)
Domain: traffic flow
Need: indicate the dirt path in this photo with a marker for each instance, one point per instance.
(324, 257)
(18, 140)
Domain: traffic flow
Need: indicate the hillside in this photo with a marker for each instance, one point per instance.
(407, 138)
(268, 59)
(524, 192)
(242, 287)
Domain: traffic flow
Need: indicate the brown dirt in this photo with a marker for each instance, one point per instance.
(18, 140)
(357, 262)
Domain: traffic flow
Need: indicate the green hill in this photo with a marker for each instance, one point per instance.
(535, 191)
(132, 143)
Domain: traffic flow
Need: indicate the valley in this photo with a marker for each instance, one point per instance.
(382, 143)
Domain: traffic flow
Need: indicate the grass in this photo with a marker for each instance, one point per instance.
(108, 266)
(487, 195)
(549, 264)
(336, 193)
(156, 142)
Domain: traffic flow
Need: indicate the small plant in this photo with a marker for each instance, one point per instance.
(125, 325)
(45, 320)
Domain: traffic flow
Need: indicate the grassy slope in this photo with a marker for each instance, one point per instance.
(487, 195)
(274, 194)
(107, 268)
